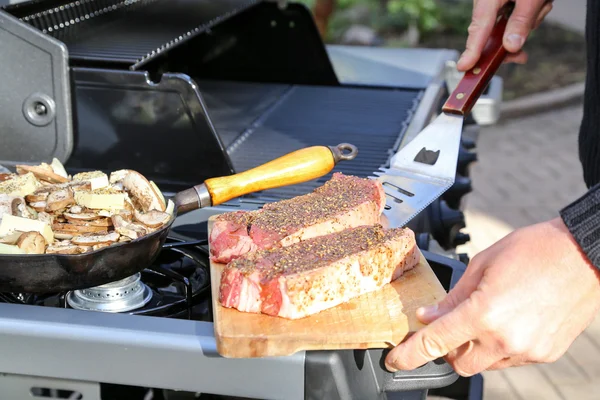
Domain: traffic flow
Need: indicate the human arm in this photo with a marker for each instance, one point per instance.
(527, 15)
(523, 300)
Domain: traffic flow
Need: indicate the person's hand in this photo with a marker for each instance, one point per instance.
(523, 300)
(526, 16)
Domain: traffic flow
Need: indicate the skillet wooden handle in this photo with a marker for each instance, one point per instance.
(474, 82)
(296, 167)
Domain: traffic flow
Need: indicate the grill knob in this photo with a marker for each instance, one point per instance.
(463, 258)
(462, 186)
(468, 143)
(470, 134)
(465, 158)
(446, 223)
(460, 239)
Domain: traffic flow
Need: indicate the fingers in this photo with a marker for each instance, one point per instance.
(434, 341)
(461, 291)
(472, 358)
(518, 58)
(543, 13)
(482, 23)
(521, 22)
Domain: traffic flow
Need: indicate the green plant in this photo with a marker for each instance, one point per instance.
(424, 14)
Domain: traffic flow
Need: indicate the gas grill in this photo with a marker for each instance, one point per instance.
(185, 90)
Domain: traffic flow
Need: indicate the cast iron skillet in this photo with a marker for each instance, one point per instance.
(46, 273)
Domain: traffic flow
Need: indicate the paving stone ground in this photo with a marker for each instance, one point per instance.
(527, 170)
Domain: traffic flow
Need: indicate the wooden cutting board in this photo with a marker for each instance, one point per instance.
(375, 320)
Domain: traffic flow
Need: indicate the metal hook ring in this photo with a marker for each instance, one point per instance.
(344, 151)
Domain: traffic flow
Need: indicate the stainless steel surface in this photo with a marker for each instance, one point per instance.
(203, 195)
(412, 185)
(120, 296)
(388, 67)
(176, 354)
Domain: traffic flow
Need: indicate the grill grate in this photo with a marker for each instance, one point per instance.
(374, 120)
(130, 31)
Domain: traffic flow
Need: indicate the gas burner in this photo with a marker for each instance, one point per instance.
(176, 285)
(120, 296)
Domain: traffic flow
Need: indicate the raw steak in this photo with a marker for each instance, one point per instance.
(315, 274)
(343, 202)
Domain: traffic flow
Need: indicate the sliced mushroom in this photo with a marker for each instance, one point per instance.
(45, 217)
(71, 185)
(100, 246)
(68, 249)
(105, 213)
(105, 222)
(63, 235)
(152, 218)
(130, 230)
(59, 200)
(94, 239)
(77, 229)
(38, 206)
(76, 209)
(34, 198)
(81, 217)
(143, 192)
(42, 173)
(5, 177)
(32, 243)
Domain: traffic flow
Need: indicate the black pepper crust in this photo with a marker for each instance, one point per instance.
(313, 253)
(338, 195)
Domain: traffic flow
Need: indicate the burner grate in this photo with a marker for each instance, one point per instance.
(287, 118)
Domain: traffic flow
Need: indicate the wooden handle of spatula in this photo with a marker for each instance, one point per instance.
(474, 82)
(296, 167)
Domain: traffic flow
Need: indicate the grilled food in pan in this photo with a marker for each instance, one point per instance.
(61, 232)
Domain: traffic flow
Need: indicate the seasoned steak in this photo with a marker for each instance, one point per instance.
(319, 273)
(343, 202)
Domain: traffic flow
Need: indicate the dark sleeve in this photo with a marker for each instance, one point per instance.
(582, 217)
(589, 132)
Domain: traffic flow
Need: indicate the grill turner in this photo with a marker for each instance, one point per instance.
(426, 167)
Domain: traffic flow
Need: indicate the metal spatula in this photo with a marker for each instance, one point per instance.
(426, 167)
